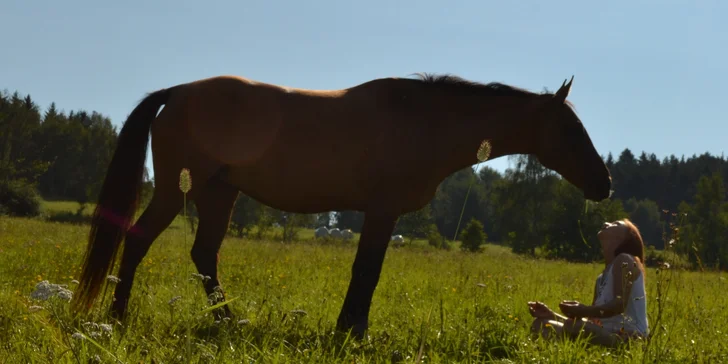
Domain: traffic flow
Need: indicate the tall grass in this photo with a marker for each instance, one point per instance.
(430, 304)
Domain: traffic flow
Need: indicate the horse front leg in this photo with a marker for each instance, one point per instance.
(367, 267)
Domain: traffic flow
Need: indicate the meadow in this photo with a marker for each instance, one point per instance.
(431, 306)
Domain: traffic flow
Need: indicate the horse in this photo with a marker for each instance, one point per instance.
(277, 144)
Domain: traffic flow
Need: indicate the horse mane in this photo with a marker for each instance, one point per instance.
(460, 84)
(488, 89)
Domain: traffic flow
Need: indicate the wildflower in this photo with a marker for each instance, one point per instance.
(665, 265)
(244, 322)
(483, 151)
(45, 290)
(65, 295)
(106, 327)
(78, 336)
(185, 180)
(35, 308)
(113, 279)
(299, 312)
(200, 277)
(90, 325)
(173, 300)
(207, 356)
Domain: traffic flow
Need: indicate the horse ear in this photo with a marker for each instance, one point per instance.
(563, 92)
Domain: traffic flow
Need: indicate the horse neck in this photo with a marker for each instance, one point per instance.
(508, 123)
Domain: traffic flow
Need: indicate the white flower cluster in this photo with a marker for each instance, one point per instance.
(45, 290)
(96, 331)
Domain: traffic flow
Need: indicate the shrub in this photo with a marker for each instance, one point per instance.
(18, 198)
(434, 238)
(473, 236)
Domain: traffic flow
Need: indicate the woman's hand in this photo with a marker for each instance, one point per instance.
(540, 310)
(574, 309)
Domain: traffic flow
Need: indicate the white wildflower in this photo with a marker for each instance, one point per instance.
(45, 290)
(243, 322)
(174, 299)
(78, 336)
(106, 327)
(35, 308)
(90, 325)
(299, 312)
(207, 356)
(113, 279)
(65, 294)
(197, 276)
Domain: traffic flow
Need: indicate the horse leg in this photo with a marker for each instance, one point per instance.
(367, 266)
(214, 207)
(158, 215)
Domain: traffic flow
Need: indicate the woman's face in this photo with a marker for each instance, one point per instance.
(611, 235)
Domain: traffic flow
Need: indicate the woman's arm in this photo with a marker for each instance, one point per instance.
(624, 272)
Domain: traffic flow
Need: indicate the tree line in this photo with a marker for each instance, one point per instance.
(54, 155)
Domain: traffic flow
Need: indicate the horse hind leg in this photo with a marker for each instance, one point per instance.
(167, 201)
(160, 213)
(214, 206)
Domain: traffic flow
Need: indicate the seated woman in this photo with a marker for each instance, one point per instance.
(619, 308)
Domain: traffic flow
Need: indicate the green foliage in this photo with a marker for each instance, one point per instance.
(645, 214)
(707, 225)
(415, 224)
(473, 236)
(19, 198)
(292, 223)
(434, 238)
(353, 220)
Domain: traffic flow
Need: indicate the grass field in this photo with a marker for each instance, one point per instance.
(430, 306)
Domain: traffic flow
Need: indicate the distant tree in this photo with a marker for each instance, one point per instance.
(473, 236)
(415, 224)
(353, 220)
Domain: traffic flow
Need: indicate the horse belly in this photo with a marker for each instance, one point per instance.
(298, 189)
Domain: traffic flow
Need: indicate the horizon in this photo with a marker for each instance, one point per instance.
(650, 79)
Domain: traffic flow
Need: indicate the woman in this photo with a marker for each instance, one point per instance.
(619, 308)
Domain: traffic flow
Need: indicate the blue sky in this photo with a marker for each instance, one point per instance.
(649, 75)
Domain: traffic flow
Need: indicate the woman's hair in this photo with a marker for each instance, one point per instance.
(632, 244)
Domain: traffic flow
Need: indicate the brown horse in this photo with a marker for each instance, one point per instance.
(397, 138)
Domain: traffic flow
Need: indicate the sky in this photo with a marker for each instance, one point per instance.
(648, 75)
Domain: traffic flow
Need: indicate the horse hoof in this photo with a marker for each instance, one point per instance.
(357, 331)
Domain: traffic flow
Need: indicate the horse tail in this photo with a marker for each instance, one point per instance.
(118, 199)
